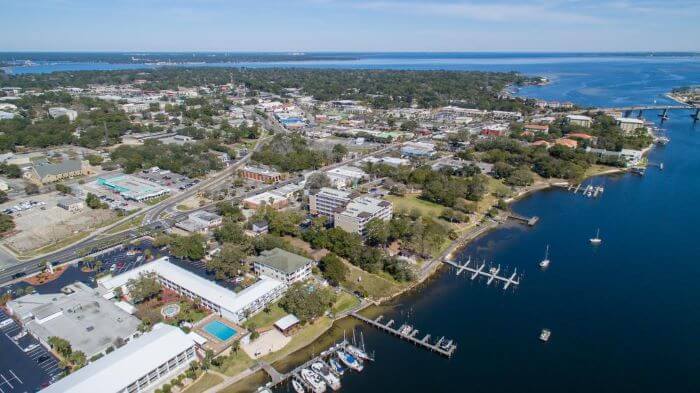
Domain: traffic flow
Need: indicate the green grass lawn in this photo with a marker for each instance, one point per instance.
(373, 285)
(235, 363)
(155, 201)
(345, 302)
(205, 382)
(410, 202)
(303, 337)
(128, 224)
(263, 319)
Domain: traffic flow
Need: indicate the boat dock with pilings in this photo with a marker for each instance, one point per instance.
(491, 274)
(442, 346)
(530, 221)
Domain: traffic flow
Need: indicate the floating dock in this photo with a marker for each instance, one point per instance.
(491, 274)
(410, 336)
(589, 190)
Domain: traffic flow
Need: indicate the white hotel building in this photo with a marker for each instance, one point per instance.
(361, 211)
(236, 307)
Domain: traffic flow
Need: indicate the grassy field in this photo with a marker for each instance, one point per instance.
(345, 302)
(263, 319)
(132, 223)
(236, 363)
(305, 336)
(205, 382)
(410, 202)
(373, 285)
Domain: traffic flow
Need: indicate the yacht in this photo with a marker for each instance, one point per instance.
(314, 380)
(337, 367)
(350, 361)
(298, 387)
(446, 345)
(596, 240)
(544, 335)
(545, 262)
(357, 352)
(331, 380)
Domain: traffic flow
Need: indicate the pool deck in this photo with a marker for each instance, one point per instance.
(213, 342)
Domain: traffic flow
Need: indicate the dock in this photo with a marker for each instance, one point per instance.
(589, 190)
(531, 221)
(411, 335)
(492, 274)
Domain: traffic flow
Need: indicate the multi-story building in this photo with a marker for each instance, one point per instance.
(282, 265)
(579, 120)
(260, 174)
(327, 201)
(346, 176)
(44, 171)
(629, 124)
(142, 365)
(361, 211)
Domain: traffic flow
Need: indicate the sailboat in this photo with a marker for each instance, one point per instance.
(545, 262)
(596, 240)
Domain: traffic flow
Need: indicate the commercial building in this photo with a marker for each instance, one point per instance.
(418, 149)
(328, 201)
(58, 112)
(236, 307)
(360, 211)
(133, 188)
(629, 124)
(282, 265)
(72, 204)
(48, 172)
(142, 365)
(272, 199)
(579, 120)
(79, 315)
(200, 222)
(346, 176)
(260, 174)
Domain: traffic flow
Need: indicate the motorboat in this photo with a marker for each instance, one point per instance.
(544, 334)
(314, 380)
(596, 240)
(350, 361)
(446, 345)
(336, 366)
(357, 352)
(545, 262)
(298, 387)
(331, 380)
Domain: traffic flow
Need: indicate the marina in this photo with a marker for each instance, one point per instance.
(406, 332)
(587, 190)
(491, 274)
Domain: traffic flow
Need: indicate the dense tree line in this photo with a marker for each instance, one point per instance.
(290, 154)
(191, 159)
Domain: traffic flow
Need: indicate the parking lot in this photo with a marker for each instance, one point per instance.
(25, 365)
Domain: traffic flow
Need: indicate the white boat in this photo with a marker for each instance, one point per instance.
(446, 345)
(337, 367)
(357, 352)
(314, 380)
(298, 387)
(545, 262)
(350, 361)
(596, 240)
(544, 335)
(331, 380)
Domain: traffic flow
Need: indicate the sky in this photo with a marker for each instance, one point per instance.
(350, 25)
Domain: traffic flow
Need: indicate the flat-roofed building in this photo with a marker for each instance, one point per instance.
(78, 314)
(72, 204)
(133, 188)
(418, 149)
(328, 201)
(236, 307)
(260, 174)
(58, 112)
(200, 222)
(346, 176)
(142, 365)
(629, 124)
(276, 201)
(282, 265)
(361, 211)
(579, 120)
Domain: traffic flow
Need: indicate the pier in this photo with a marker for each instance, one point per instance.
(589, 190)
(531, 221)
(491, 274)
(411, 335)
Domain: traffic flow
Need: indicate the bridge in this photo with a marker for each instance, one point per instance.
(628, 111)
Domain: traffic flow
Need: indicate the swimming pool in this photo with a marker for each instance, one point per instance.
(219, 330)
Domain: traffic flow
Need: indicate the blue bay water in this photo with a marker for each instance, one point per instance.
(623, 316)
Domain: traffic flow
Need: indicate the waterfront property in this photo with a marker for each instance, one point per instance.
(236, 307)
(361, 211)
(579, 120)
(79, 315)
(141, 365)
(282, 265)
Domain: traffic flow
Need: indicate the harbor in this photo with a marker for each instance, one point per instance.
(406, 332)
(491, 274)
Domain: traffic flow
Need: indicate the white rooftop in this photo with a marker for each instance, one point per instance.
(578, 117)
(630, 120)
(114, 372)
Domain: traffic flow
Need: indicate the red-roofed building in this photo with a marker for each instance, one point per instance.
(536, 128)
(579, 135)
(541, 143)
(567, 142)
